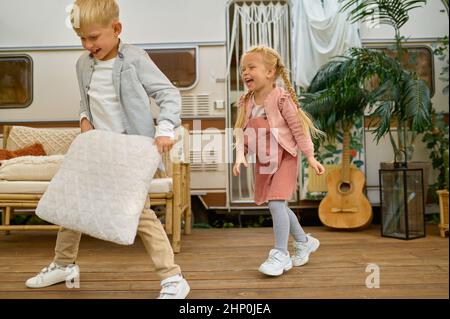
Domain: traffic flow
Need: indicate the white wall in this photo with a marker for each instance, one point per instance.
(43, 22)
(34, 23)
(162, 21)
(148, 23)
(55, 88)
(427, 22)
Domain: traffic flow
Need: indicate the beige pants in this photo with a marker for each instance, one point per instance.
(149, 229)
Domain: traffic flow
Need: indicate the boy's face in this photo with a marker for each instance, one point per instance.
(255, 73)
(101, 41)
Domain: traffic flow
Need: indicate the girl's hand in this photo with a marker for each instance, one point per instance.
(318, 168)
(237, 165)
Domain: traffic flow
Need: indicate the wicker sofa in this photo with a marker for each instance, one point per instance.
(171, 188)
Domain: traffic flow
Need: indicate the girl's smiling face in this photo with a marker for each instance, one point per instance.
(255, 72)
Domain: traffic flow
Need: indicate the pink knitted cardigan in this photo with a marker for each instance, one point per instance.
(283, 119)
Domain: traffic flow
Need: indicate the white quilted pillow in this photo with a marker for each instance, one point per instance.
(102, 185)
(30, 168)
(54, 140)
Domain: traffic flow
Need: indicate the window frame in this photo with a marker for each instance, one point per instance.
(31, 78)
(426, 46)
(196, 59)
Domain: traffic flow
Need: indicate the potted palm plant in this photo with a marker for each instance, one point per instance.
(339, 92)
(338, 96)
(405, 100)
(443, 201)
(337, 101)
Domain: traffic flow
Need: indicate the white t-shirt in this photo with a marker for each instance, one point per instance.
(105, 105)
(257, 110)
(104, 102)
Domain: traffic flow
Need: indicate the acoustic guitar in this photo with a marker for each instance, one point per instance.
(345, 206)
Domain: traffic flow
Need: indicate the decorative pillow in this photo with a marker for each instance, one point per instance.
(30, 168)
(102, 185)
(36, 149)
(55, 140)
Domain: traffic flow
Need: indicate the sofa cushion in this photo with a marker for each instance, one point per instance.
(158, 185)
(36, 149)
(22, 187)
(54, 140)
(161, 185)
(30, 168)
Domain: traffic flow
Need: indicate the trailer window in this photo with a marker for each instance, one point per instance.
(16, 81)
(179, 65)
(416, 58)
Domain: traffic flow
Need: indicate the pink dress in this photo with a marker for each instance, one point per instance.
(271, 183)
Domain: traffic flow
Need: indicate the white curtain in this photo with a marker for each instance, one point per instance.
(258, 23)
(320, 32)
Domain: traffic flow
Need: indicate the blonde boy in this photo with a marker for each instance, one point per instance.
(115, 81)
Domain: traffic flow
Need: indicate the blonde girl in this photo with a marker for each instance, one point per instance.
(271, 125)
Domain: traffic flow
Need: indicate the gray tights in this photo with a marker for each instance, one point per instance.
(285, 222)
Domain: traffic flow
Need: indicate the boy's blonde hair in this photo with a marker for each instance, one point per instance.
(272, 59)
(88, 12)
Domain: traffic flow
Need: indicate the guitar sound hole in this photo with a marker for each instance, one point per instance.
(345, 187)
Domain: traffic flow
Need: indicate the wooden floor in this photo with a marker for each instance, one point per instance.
(223, 263)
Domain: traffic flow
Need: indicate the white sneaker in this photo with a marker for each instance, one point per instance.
(175, 287)
(276, 263)
(54, 274)
(302, 250)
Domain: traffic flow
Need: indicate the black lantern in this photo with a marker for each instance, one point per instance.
(402, 202)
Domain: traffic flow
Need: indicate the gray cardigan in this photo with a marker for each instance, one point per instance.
(135, 78)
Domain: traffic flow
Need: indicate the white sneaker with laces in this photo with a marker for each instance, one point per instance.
(302, 250)
(54, 274)
(175, 287)
(276, 263)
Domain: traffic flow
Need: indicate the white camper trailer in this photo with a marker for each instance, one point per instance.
(198, 44)
(194, 42)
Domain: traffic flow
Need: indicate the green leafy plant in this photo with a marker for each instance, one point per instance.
(404, 100)
(260, 221)
(441, 51)
(445, 3)
(340, 92)
(334, 97)
(222, 224)
(29, 219)
(394, 13)
(436, 138)
(436, 141)
(447, 185)
(228, 225)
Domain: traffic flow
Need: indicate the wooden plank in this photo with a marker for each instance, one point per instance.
(292, 279)
(387, 272)
(437, 291)
(213, 262)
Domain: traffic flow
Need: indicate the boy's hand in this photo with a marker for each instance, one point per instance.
(85, 125)
(164, 143)
(318, 168)
(237, 165)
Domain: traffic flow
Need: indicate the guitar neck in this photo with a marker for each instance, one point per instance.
(346, 156)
